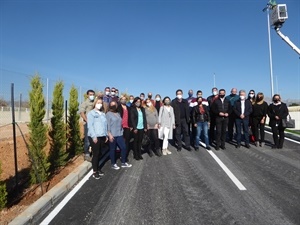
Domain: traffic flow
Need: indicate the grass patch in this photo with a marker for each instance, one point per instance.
(293, 131)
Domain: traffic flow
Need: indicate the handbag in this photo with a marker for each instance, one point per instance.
(288, 122)
(146, 140)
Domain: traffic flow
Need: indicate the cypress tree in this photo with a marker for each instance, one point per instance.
(74, 136)
(38, 133)
(57, 133)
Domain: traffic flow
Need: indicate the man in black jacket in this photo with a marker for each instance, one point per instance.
(221, 108)
(182, 118)
(242, 109)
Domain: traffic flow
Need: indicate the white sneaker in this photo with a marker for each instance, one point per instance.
(115, 167)
(164, 152)
(124, 165)
(168, 152)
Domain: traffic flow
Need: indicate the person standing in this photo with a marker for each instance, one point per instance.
(106, 97)
(84, 109)
(242, 109)
(115, 136)
(251, 98)
(158, 102)
(152, 128)
(277, 111)
(166, 124)
(131, 98)
(97, 134)
(259, 115)
(191, 101)
(139, 126)
(200, 119)
(113, 95)
(182, 119)
(212, 116)
(221, 109)
(233, 97)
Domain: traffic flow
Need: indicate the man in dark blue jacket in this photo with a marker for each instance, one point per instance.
(242, 109)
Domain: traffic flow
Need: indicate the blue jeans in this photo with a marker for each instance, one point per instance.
(201, 126)
(242, 124)
(118, 141)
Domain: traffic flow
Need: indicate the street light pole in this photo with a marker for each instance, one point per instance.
(270, 52)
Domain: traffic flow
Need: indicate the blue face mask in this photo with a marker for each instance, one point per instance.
(91, 97)
(190, 94)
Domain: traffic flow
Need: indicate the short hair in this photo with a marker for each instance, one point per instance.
(199, 91)
(242, 91)
(222, 89)
(178, 91)
(88, 91)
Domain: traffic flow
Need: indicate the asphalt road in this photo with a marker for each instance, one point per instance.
(192, 188)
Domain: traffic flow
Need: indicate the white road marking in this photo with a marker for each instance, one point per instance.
(297, 142)
(57, 209)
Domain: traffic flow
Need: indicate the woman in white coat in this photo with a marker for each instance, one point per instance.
(166, 124)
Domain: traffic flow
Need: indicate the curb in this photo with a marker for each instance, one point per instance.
(37, 210)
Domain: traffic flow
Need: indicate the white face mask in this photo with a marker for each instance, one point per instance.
(91, 97)
(242, 97)
(179, 96)
(112, 93)
(107, 93)
(131, 100)
(251, 95)
(157, 99)
(215, 93)
(98, 106)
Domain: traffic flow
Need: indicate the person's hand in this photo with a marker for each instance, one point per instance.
(95, 140)
(195, 125)
(106, 139)
(277, 118)
(135, 131)
(262, 121)
(221, 114)
(156, 126)
(145, 130)
(242, 116)
(226, 114)
(111, 138)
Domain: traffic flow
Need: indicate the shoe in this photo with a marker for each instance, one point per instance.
(247, 146)
(115, 167)
(223, 148)
(101, 173)
(274, 147)
(158, 152)
(150, 153)
(256, 143)
(238, 146)
(164, 152)
(208, 148)
(189, 149)
(87, 158)
(179, 149)
(168, 152)
(262, 144)
(141, 157)
(217, 148)
(96, 175)
(126, 165)
(196, 149)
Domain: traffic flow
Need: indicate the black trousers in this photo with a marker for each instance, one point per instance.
(221, 125)
(212, 128)
(154, 141)
(278, 141)
(182, 128)
(137, 143)
(231, 123)
(97, 149)
(259, 129)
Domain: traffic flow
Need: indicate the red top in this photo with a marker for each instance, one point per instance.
(125, 118)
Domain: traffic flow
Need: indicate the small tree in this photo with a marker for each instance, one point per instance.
(3, 192)
(74, 137)
(57, 133)
(38, 132)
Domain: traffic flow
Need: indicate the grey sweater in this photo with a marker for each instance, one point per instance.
(114, 124)
(151, 117)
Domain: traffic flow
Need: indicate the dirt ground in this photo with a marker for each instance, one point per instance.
(23, 196)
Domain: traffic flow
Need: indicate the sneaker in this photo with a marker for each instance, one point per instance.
(164, 152)
(208, 148)
(115, 167)
(124, 165)
(168, 152)
(262, 144)
(101, 173)
(87, 158)
(96, 175)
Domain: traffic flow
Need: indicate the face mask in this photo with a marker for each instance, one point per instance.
(276, 100)
(142, 98)
(107, 93)
(113, 108)
(149, 104)
(259, 98)
(221, 96)
(149, 96)
(138, 104)
(167, 102)
(190, 94)
(199, 102)
(157, 99)
(242, 97)
(179, 96)
(131, 100)
(123, 102)
(251, 95)
(215, 93)
(98, 106)
(112, 93)
(91, 97)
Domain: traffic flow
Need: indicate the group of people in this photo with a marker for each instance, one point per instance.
(122, 122)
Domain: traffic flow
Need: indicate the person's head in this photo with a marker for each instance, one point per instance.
(242, 94)
(214, 91)
(148, 103)
(233, 91)
(142, 96)
(149, 95)
(117, 92)
(107, 91)
(179, 94)
(199, 100)
(222, 93)
(100, 94)
(137, 102)
(131, 98)
(98, 103)
(113, 91)
(166, 100)
(199, 93)
(123, 100)
(260, 97)
(251, 94)
(91, 95)
(276, 98)
(190, 93)
(157, 97)
(113, 106)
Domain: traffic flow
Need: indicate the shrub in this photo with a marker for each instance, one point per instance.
(3, 192)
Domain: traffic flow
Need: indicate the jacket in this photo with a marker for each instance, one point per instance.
(97, 124)
(238, 109)
(219, 106)
(279, 110)
(134, 117)
(198, 117)
(177, 110)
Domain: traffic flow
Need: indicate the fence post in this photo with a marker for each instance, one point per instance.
(14, 133)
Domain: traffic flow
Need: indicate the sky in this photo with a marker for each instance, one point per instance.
(155, 46)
